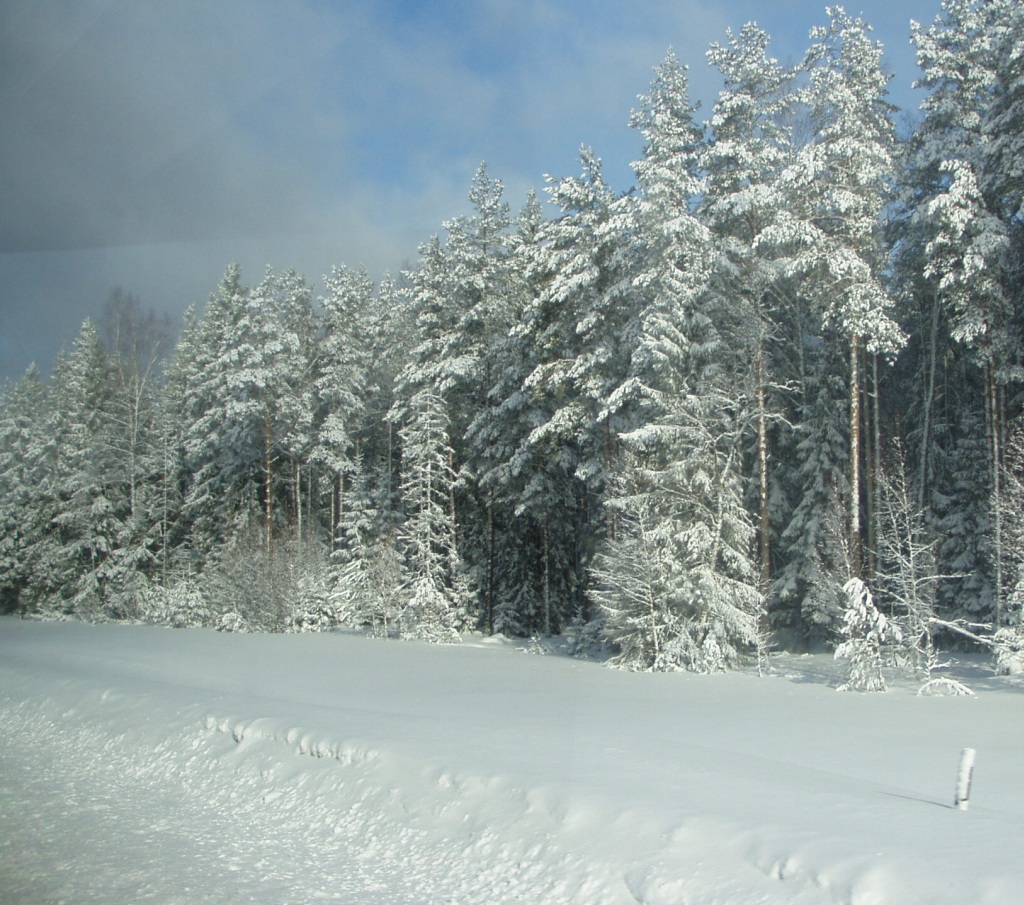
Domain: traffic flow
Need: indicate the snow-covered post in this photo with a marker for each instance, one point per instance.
(963, 779)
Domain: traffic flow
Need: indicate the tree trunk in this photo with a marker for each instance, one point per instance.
(872, 462)
(546, 556)
(298, 503)
(855, 443)
(490, 567)
(992, 406)
(268, 517)
(451, 498)
(764, 541)
(929, 402)
(334, 512)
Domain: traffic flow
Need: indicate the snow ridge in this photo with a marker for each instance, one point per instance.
(451, 837)
(301, 741)
(293, 816)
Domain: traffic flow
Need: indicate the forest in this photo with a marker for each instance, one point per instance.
(770, 396)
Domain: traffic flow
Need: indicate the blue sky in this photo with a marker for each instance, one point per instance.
(146, 145)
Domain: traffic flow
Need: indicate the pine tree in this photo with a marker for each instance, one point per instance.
(675, 328)
(578, 330)
(750, 145)
(958, 237)
(270, 407)
(806, 590)
(512, 584)
(865, 631)
(341, 383)
(168, 525)
(135, 342)
(1003, 126)
(45, 448)
(465, 291)
(849, 163)
(826, 244)
(370, 575)
(675, 580)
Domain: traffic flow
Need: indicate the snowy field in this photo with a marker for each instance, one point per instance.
(141, 764)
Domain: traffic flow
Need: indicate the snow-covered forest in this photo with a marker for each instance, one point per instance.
(771, 394)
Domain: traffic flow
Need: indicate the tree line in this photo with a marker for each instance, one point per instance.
(677, 421)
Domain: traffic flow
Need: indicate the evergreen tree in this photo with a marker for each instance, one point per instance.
(675, 333)
(827, 243)
(954, 259)
(807, 587)
(435, 608)
(685, 537)
(221, 491)
(512, 581)
(1003, 126)
(370, 575)
(26, 495)
(171, 477)
(464, 292)
(865, 631)
(93, 562)
(751, 142)
(269, 407)
(849, 164)
(578, 331)
(677, 584)
(342, 382)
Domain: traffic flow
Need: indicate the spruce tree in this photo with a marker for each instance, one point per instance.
(26, 497)
(436, 605)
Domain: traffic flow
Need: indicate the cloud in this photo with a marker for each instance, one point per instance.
(131, 122)
(147, 145)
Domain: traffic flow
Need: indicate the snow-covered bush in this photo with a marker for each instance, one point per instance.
(283, 587)
(1009, 652)
(315, 608)
(907, 576)
(369, 589)
(865, 631)
(233, 622)
(181, 605)
(242, 588)
(427, 615)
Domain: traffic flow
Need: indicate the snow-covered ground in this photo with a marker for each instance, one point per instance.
(141, 764)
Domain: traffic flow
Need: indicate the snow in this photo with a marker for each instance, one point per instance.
(142, 764)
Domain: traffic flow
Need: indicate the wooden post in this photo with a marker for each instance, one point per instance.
(963, 779)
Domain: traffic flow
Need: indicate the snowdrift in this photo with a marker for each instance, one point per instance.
(155, 765)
